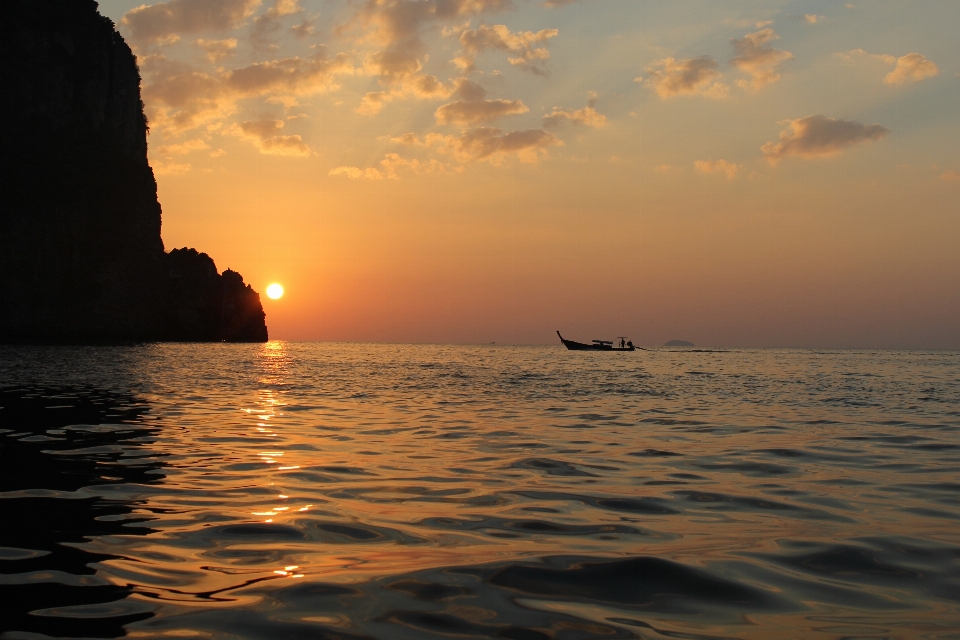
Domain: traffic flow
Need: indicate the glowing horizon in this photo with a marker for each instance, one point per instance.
(735, 174)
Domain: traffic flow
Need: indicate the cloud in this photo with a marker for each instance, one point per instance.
(755, 57)
(422, 87)
(428, 87)
(300, 76)
(354, 173)
(162, 168)
(181, 97)
(950, 175)
(812, 18)
(372, 102)
(394, 21)
(184, 147)
(854, 54)
(488, 143)
(818, 136)
(587, 116)
(699, 75)
(470, 112)
(912, 67)
(473, 109)
(409, 138)
(267, 25)
(158, 22)
(218, 50)
(393, 66)
(265, 135)
(479, 144)
(395, 25)
(304, 29)
(393, 162)
(391, 165)
(558, 3)
(718, 166)
(521, 44)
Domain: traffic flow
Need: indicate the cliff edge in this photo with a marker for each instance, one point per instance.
(81, 258)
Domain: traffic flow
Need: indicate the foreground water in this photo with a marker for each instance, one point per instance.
(379, 491)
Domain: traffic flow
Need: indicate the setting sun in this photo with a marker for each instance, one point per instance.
(274, 291)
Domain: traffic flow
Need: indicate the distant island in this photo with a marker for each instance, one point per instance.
(81, 258)
(679, 343)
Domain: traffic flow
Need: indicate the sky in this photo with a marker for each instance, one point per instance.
(740, 174)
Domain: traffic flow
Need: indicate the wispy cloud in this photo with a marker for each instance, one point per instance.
(588, 116)
(912, 67)
(521, 45)
(818, 136)
(473, 108)
(355, 173)
(184, 147)
(170, 168)
(471, 112)
(730, 169)
(217, 50)
(756, 57)
(487, 143)
(267, 25)
(395, 26)
(161, 21)
(700, 75)
(295, 75)
(181, 97)
(265, 135)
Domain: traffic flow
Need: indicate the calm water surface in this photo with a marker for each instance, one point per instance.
(294, 490)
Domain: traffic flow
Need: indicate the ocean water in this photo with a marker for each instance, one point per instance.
(315, 490)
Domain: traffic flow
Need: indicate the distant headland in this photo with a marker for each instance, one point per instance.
(81, 259)
(678, 343)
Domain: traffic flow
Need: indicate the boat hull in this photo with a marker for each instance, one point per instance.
(580, 346)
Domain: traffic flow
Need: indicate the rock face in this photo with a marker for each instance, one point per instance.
(81, 257)
(206, 305)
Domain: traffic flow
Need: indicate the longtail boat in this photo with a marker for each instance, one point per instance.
(598, 345)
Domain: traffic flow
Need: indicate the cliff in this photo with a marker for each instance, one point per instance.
(81, 258)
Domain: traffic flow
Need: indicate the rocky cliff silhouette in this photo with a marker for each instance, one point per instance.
(81, 259)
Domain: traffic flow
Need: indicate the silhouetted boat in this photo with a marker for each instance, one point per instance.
(598, 345)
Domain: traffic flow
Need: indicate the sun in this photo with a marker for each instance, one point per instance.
(274, 291)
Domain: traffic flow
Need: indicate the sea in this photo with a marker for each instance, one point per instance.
(347, 491)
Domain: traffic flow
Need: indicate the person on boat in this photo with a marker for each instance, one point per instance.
(622, 344)
(630, 343)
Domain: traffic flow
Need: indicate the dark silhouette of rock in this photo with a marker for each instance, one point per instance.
(203, 303)
(678, 343)
(81, 259)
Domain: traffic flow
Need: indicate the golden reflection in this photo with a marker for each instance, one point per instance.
(272, 362)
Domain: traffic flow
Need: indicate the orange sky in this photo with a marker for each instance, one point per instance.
(486, 170)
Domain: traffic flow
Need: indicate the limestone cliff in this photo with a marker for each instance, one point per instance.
(81, 257)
